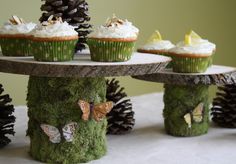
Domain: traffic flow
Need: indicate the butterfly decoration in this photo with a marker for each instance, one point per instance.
(68, 132)
(195, 116)
(97, 112)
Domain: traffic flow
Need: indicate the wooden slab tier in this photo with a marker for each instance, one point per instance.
(215, 75)
(82, 66)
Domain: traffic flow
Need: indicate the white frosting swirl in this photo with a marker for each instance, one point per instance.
(197, 47)
(58, 29)
(158, 45)
(24, 28)
(124, 30)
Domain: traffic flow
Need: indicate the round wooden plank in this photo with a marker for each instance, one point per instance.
(215, 75)
(82, 66)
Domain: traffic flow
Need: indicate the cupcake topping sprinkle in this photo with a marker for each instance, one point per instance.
(54, 27)
(50, 21)
(115, 28)
(114, 21)
(15, 20)
(16, 25)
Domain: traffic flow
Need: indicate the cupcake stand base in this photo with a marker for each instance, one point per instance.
(186, 111)
(53, 92)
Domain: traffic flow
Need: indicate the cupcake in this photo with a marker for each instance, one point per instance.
(14, 37)
(156, 45)
(194, 55)
(113, 42)
(54, 40)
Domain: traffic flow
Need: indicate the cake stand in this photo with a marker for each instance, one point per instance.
(186, 111)
(54, 89)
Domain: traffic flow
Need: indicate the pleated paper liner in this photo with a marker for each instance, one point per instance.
(107, 50)
(53, 50)
(157, 52)
(15, 46)
(186, 64)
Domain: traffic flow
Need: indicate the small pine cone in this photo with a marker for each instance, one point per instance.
(224, 107)
(6, 118)
(121, 118)
(75, 12)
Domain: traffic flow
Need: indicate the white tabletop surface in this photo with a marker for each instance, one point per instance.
(148, 142)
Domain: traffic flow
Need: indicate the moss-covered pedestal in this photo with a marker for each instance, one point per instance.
(181, 100)
(186, 111)
(53, 92)
(53, 101)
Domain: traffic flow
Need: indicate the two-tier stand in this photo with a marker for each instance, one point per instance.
(185, 95)
(53, 92)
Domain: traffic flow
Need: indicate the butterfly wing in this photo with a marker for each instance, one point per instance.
(101, 110)
(188, 119)
(52, 132)
(198, 113)
(69, 131)
(85, 108)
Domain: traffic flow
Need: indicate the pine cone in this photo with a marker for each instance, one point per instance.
(6, 118)
(224, 107)
(75, 12)
(121, 118)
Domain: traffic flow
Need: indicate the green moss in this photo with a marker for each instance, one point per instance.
(54, 101)
(179, 100)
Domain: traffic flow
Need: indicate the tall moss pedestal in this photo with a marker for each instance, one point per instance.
(183, 99)
(53, 101)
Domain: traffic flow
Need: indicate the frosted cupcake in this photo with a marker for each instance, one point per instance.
(113, 42)
(14, 37)
(194, 55)
(54, 40)
(156, 45)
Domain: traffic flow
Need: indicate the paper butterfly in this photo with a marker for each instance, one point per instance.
(54, 135)
(195, 116)
(97, 112)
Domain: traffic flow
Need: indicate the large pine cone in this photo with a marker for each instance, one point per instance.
(121, 118)
(75, 12)
(6, 118)
(224, 107)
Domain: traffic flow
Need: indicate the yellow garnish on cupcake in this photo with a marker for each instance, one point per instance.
(156, 37)
(156, 45)
(193, 55)
(191, 36)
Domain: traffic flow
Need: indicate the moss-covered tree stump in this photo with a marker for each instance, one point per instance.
(53, 101)
(181, 102)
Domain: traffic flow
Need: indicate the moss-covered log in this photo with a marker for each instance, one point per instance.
(53, 101)
(180, 100)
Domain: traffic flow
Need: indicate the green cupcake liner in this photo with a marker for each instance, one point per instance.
(110, 51)
(53, 51)
(15, 46)
(190, 65)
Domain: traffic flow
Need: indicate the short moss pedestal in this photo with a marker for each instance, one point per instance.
(186, 99)
(53, 101)
(180, 100)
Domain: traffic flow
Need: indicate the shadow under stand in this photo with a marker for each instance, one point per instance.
(186, 99)
(53, 92)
